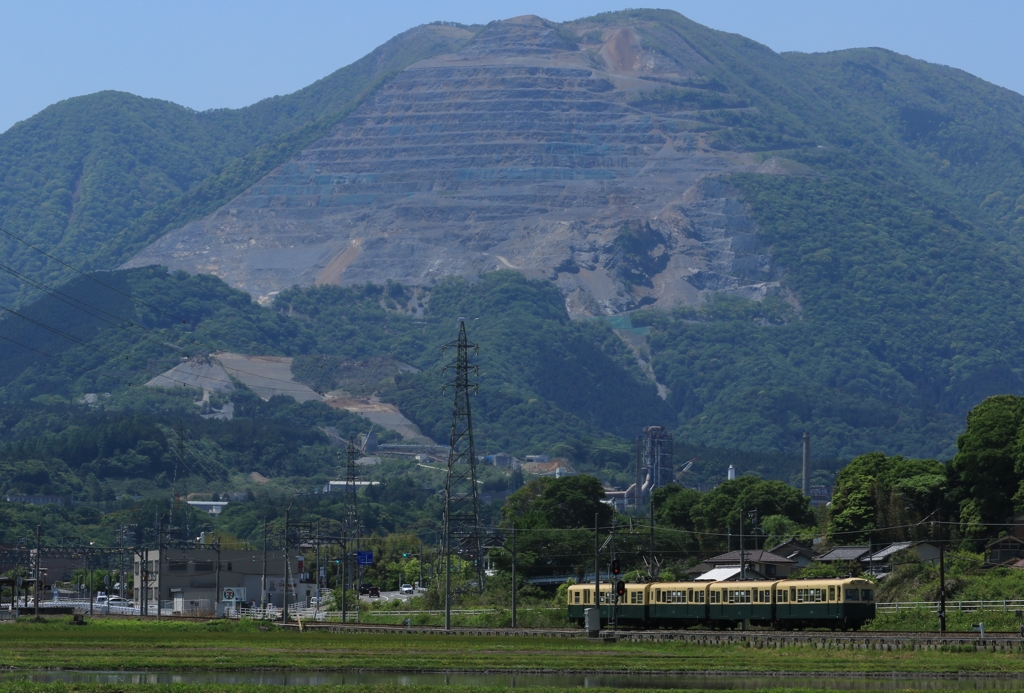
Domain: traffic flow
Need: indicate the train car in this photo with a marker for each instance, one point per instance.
(842, 603)
(730, 603)
(789, 604)
(678, 604)
(581, 598)
(630, 609)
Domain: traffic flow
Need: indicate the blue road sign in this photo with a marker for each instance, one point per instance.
(364, 557)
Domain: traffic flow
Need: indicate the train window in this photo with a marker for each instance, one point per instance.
(701, 595)
(810, 595)
(867, 595)
(851, 595)
(714, 596)
(586, 596)
(831, 594)
(576, 597)
(782, 596)
(792, 594)
(690, 594)
(739, 596)
(766, 596)
(757, 595)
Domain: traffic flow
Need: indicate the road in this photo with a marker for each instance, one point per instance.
(389, 597)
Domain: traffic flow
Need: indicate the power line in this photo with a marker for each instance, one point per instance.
(90, 277)
(57, 358)
(65, 298)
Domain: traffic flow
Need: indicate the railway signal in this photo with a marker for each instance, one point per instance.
(620, 588)
(616, 568)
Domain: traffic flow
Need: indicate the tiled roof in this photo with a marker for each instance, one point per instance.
(750, 556)
(844, 553)
(890, 550)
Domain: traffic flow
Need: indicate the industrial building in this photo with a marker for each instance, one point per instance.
(195, 580)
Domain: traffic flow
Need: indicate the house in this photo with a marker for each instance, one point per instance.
(801, 554)
(882, 561)
(212, 507)
(724, 575)
(1008, 549)
(764, 563)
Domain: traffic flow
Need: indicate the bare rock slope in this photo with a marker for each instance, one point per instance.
(547, 150)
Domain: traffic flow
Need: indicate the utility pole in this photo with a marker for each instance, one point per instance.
(39, 554)
(318, 569)
(285, 615)
(263, 587)
(805, 480)
(515, 588)
(743, 554)
(652, 570)
(159, 563)
(942, 575)
(461, 518)
(597, 567)
(216, 594)
(343, 566)
(611, 579)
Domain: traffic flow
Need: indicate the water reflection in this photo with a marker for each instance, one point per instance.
(648, 681)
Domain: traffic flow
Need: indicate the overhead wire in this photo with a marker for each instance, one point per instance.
(90, 277)
(47, 289)
(71, 301)
(120, 355)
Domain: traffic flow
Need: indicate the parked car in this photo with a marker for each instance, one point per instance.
(373, 592)
(120, 601)
(406, 589)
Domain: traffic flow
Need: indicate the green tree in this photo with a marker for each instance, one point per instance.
(989, 467)
(883, 498)
(718, 511)
(566, 503)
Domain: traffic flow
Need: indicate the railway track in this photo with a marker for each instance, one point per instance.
(821, 639)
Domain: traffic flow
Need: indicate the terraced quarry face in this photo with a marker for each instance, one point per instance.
(577, 157)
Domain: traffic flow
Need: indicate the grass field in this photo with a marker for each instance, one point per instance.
(184, 688)
(133, 645)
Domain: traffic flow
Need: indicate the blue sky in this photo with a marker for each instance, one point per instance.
(230, 53)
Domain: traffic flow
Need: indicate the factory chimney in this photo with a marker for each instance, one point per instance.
(807, 464)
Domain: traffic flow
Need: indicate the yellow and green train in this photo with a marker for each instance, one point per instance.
(783, 604)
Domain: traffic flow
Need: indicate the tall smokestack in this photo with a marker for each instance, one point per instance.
(807, 464)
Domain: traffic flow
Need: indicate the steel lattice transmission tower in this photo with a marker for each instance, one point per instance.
(351, 524)
(460, 533)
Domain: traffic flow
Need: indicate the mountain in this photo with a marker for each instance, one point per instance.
(784, 242)
(95, 178)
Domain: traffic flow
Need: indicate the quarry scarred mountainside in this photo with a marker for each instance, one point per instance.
(770, 243)
(524, 150)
